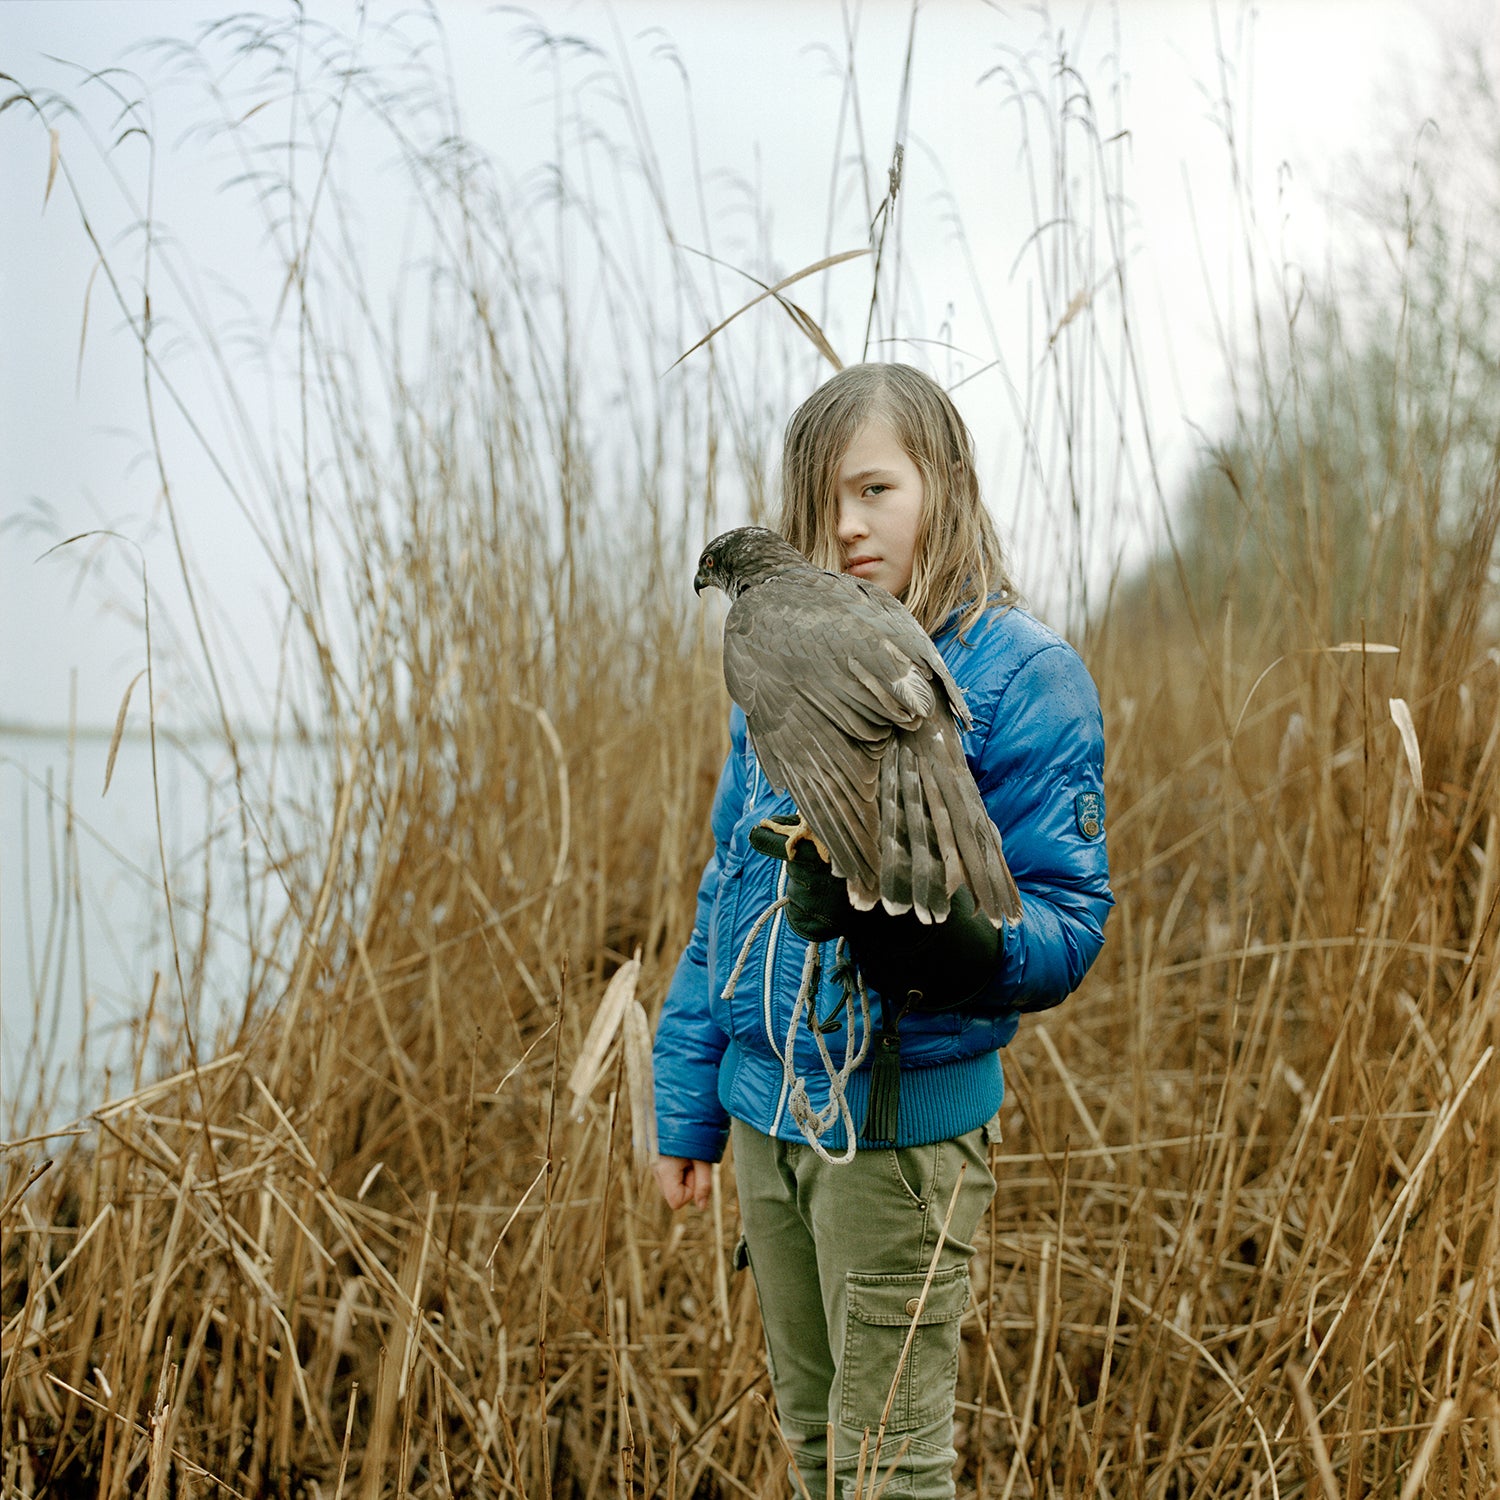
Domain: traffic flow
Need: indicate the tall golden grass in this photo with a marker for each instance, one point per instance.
(367, 1243)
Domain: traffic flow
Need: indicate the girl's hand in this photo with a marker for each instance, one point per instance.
(681, 1181)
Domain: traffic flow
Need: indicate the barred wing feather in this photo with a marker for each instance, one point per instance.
(851, 709)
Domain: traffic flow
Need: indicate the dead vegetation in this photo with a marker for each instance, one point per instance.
(369, 1244)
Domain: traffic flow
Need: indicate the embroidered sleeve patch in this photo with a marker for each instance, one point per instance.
(1088, 809)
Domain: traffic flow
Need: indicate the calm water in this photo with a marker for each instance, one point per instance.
(83, 929)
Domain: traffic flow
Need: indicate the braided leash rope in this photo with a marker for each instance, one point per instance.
(815, 1124)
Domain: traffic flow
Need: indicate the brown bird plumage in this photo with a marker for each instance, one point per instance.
(851, 709)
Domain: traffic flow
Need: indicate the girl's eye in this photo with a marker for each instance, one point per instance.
(876, 489)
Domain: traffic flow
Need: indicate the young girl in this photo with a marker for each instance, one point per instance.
(878, 481)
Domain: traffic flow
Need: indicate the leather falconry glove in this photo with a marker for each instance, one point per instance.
(936, 966)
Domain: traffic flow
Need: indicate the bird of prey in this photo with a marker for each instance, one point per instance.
(851, 709)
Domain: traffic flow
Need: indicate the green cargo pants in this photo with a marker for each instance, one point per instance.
(839, 1255)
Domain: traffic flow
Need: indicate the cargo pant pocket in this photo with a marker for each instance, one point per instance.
(880, 1312)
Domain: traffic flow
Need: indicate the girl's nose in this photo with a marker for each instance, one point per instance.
(851, 524)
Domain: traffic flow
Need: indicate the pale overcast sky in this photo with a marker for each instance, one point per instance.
(1316, 81)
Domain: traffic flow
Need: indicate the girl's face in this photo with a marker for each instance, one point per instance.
(880, 507)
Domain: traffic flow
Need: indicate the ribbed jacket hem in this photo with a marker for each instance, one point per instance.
(937, 1102)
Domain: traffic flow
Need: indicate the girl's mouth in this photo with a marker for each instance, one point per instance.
(860, 566)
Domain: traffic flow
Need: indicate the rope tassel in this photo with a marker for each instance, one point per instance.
(884, 1109)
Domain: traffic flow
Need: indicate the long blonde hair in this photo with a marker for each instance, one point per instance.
(958, 560)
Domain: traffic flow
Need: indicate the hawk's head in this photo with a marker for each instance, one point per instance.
(740, 559)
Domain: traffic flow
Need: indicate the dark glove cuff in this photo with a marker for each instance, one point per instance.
(934, 966)
(930, 965)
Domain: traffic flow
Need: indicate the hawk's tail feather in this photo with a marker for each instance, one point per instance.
(895, 855)
(970, 842)
(917, 835)
(992, 885)
(987, 875)
(854, 855)
(942, 826)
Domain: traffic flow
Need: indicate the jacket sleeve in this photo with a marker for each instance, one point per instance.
(1041, 774)
(690, 1121)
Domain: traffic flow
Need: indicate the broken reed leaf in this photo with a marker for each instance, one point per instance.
(639, 1084)
(1254, 686)
(618, 994)
(769, 291)
(1402, 715)
(815, 335)
(54, 153)
(114, 739)
(1369, 648)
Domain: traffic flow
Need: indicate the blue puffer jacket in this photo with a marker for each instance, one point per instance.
(1037, 754)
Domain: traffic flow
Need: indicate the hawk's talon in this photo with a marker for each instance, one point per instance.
(794, 831)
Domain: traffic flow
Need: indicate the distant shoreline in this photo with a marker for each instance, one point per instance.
(103, 733)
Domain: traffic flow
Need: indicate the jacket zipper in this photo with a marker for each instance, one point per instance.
(765, 992)
(772, 941)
